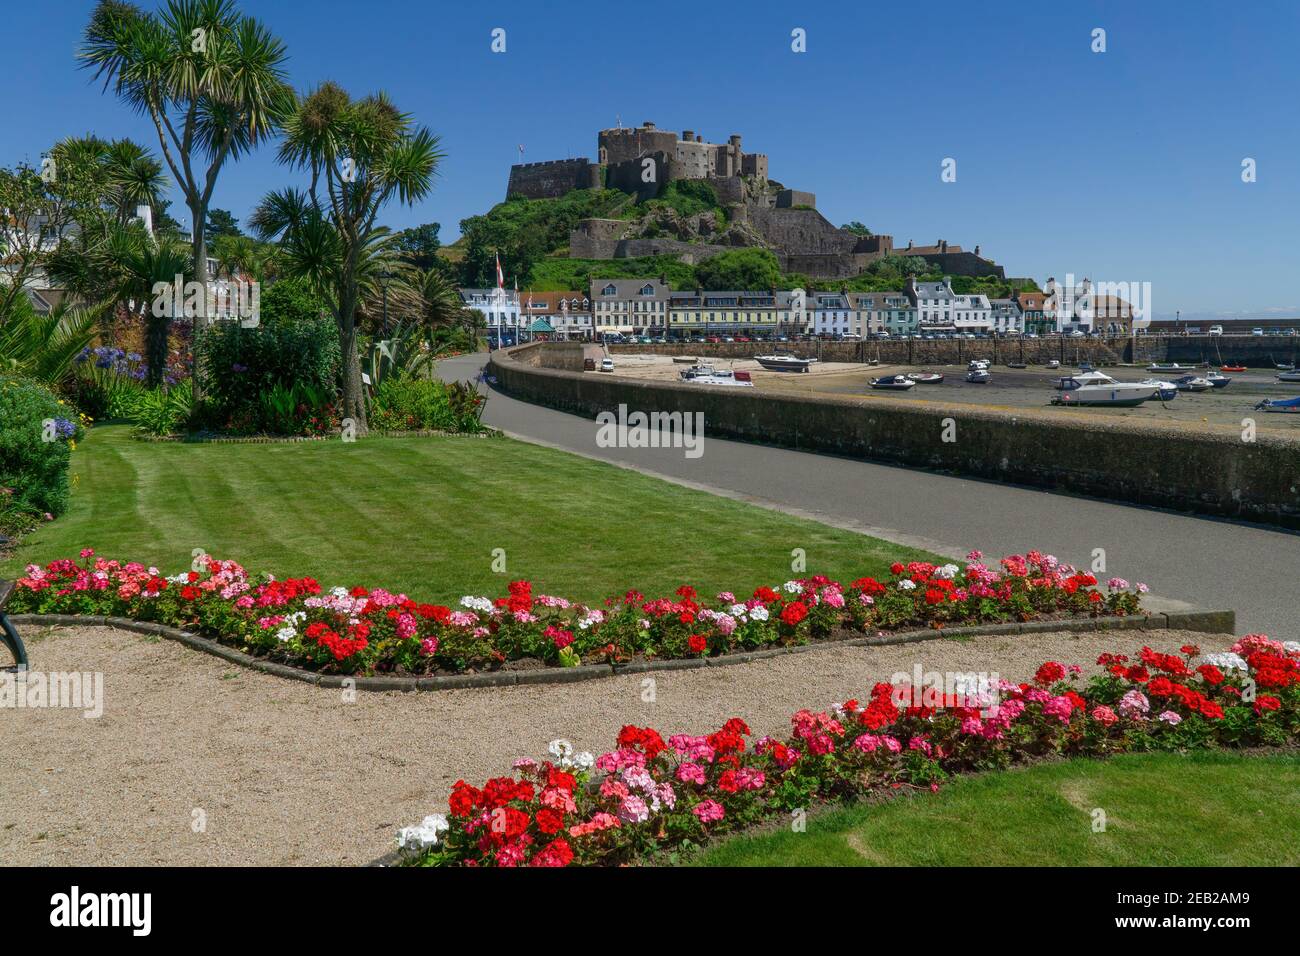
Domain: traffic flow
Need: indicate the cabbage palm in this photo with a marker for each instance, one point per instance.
(360, 154)
(211, 79)
(44, 347)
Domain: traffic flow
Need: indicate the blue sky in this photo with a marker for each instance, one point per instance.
(1123, 165)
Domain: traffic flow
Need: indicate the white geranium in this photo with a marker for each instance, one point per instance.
(286, 634)
(907, 584)
(424, 835)
(1291, 647)
(339, 592)
(758, 613)
(738, 611)
(560, 749)
(1225, 661)
(947, 572)
(476, 603)
(792, 587)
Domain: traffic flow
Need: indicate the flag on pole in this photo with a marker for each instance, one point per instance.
(500, 278)
(521, 151)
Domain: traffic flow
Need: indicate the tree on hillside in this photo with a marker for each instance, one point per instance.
(212, 81)
(739, 269)
(856, 228)
(419, 245)
(222, 222)
(361, 155)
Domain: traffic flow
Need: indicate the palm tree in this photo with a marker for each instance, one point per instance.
(361, 154)
(211, 79)
(44, 347)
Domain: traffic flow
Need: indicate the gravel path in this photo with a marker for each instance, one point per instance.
(282, 773)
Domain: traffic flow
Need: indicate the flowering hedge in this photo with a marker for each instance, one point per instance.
(651, 796)
(362, 631)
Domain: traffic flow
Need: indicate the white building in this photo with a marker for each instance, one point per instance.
(568, 314)
(933, 302)
(500, 308)
(1007, 317)
(832, 314)
(972, 313)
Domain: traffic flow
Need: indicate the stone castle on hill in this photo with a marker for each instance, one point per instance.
(760, 211)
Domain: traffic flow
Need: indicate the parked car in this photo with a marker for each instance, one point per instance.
(1257, 331)
(1216, 330)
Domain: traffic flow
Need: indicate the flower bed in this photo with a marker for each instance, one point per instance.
(368, 631)
(649, 797)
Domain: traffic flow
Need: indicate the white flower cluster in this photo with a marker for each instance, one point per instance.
(1225, 661)
(422, 836)
(907, 584)
(567, 758)
(290, 628)
(947, 571)
(590, 619)
(476, 603)
(792, 587)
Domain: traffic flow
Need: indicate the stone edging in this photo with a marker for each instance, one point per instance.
(1209, 622)
(295, 439)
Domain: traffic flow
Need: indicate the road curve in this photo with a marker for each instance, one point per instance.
(1205, 561)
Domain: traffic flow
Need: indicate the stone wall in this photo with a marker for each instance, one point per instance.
(551, 180)
(911, 351)
(1210, 471)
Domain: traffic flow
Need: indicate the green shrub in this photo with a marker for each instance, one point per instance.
(162, 411)
(290, 300)
(37, 434)
(242, 365)
(405, 403)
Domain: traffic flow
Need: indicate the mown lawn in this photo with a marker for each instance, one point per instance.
(424, 515)
(1201, 809)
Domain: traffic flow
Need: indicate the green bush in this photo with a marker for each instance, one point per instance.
(242, 365)
(37, 434)
(290, 300)
(405, 403)
(162, 411)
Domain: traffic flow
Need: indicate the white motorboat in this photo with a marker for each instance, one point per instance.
(1165, 391)
(1218, 380)
(926, 378)
(1288, 376)
(893, 383)
(782, 362)
(977, 365)
(708, 375)
(1192, 383)
(1170, 368)
(1054, 363)
(980, 376)
(1098, 388)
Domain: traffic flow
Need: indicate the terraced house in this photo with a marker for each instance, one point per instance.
(630, 306)
(890, 313)
(557, 315)
(700, 313)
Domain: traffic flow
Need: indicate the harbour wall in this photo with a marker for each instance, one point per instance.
(1251, 351)
(1209, 471)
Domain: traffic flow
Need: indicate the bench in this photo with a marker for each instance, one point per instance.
(7, 632)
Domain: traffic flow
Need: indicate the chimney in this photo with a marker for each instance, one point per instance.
(687, 135)
(909, 243)
(977, 250)
(647, 125)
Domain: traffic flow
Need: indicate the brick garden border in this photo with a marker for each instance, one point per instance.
(1205, 621)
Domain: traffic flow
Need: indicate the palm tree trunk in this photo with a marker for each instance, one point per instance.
(198, 219)
(353, 390)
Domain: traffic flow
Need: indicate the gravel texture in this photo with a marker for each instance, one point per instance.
(282, 773)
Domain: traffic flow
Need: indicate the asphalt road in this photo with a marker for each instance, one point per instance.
(1204, 561)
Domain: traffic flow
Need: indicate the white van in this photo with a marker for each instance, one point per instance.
(1216, 330)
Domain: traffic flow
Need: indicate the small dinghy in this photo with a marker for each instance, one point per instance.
(1285, 406)
(1170, 368)
(926, 378)
(893, 383)
(708, 375)
(685, 360)
(1283, 368)
(1218, 380)
(980, 376)
(1017, 365)
(1232, 368)
(1288, 377)
(977, 365)
(1192, 383)
(1053, 363)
